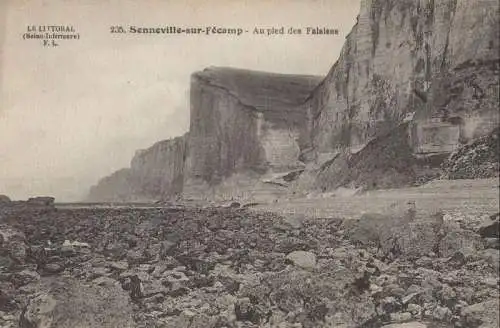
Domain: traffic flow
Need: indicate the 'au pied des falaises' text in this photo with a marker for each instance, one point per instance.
(231, 31)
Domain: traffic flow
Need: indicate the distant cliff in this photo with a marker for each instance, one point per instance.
(155, 173)
(117, 187)
(431, 57)
(159, 170)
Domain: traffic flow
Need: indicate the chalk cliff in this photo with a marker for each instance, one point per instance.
(117, 187)
(431, 57)
(159, 170)
(243, 124)
(433, 64)
(243, 121)
(154, 173)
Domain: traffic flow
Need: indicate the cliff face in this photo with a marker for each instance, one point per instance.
(117, 187)
(155, 173)
(244, 121)
(434, 63)
(243, 124)
(159, 170)
(431, 57)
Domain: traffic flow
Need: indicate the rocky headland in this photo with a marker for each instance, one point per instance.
(415, 81)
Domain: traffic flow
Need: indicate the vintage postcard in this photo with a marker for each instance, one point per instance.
(235, 163)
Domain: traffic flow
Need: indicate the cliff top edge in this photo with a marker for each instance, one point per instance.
(213, 71)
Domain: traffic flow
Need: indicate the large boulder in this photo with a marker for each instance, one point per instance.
(456, 239)
(396, 236)
(41, 201)
(411, 240)
(13, 246)
(68, 303)
(404, 237)
(482, 315)
(365, 231)
(303, 259)
(490, 228)
(4, 199)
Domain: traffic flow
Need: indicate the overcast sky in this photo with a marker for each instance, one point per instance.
(72, 114)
